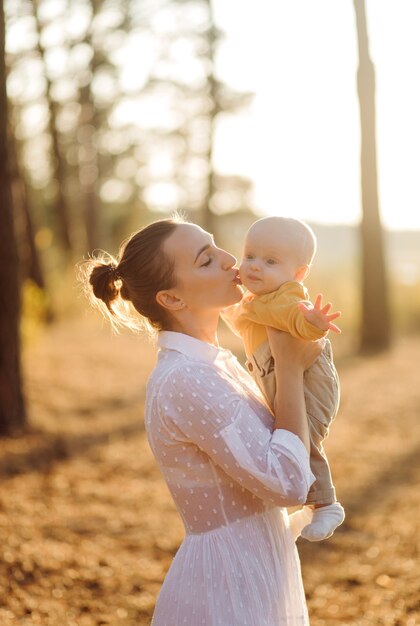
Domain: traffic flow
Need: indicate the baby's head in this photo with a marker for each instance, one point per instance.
(276, 250)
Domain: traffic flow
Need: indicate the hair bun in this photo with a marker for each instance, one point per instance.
(103, 278)
(114, 272)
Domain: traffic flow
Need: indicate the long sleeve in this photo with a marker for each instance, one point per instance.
(202, 406)
(280, 310)
(230, 478)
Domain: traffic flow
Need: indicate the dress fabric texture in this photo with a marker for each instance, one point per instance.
(231, 476)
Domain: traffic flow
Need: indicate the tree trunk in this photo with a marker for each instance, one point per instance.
(207, 216)
(88, 171)
(61, 210)
(28, 255)
(12, 407)
(88, 153)
(375, 330)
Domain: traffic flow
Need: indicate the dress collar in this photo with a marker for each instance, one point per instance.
(190, 346)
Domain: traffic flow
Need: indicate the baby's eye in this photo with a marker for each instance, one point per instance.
(249, 256)
(271, 261)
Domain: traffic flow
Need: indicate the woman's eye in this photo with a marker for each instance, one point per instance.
(207, 263)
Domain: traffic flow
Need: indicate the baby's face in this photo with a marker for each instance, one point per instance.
(266, 264)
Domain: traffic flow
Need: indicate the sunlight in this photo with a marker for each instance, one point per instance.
(306, 110)
(116, 447)
(299, 143)
(407, 273)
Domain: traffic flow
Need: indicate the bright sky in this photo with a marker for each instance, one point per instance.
(301, 142)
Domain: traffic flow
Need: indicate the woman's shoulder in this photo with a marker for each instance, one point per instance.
(178, 369)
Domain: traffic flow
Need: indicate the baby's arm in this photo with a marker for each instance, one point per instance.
(283, 313)
(319, 315)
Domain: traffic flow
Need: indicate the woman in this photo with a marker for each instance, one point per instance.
(231, 466)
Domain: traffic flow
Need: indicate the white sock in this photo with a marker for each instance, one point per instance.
(300, 519)
(324, 522)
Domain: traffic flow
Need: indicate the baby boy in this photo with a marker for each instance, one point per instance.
(277, 256)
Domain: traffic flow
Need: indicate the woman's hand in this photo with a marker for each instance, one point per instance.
(293, 352)
(291, 358)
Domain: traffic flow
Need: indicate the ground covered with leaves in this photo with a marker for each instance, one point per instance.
(88, 528)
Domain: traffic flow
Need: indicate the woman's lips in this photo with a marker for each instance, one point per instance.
(237, 279)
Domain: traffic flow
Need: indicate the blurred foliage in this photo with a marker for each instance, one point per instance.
(35, 311)
(116, 109)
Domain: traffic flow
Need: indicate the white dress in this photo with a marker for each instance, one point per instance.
(230, 476)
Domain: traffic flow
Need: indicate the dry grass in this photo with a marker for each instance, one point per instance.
(87, 526)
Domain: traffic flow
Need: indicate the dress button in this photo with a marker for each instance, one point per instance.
(250, 367)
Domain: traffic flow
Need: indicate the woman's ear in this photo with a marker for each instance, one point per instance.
(301, 273)
(169, 301)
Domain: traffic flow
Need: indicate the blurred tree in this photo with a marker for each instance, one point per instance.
(69, 45)
(86, 133)
(118, 139)
(24, 225)
(61, 208)
(99, 93)
(375, 331)
(186, 82)
(12, 406)
(221, 98)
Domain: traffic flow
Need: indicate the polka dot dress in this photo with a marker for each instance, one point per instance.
(231, 476)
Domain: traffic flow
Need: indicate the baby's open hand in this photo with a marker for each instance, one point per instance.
(319, 315)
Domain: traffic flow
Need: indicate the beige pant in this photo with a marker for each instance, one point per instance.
(322, 396)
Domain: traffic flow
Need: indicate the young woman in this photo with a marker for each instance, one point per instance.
(231, 465)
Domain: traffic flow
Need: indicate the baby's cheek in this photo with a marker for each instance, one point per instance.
(250, 288)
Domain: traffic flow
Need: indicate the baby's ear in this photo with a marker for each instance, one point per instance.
(301, 273)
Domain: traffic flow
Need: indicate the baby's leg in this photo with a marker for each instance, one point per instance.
(322, 398)
(261, 368)
(327, 513)
(322, 491)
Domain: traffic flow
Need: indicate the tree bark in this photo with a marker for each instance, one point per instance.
(12, 406)
(375, 328)
(59, 168)
(88, 153)
(28, 254)
(207, 215)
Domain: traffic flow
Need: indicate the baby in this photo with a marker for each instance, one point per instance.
(277, 256)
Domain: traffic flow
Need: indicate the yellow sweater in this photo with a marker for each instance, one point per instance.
(278, 309)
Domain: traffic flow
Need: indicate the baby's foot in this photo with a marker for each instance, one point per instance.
(324, 522)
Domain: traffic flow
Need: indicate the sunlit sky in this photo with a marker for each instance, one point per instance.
(301, 141)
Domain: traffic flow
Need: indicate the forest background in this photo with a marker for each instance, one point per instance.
(92, 147)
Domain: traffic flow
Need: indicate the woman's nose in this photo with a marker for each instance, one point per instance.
(228, 260)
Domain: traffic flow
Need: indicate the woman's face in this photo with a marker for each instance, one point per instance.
(205, 274)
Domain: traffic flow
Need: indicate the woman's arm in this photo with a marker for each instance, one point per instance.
(292, 357)
(198, 404)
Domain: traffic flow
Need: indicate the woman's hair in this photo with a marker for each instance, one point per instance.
(134, 278)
